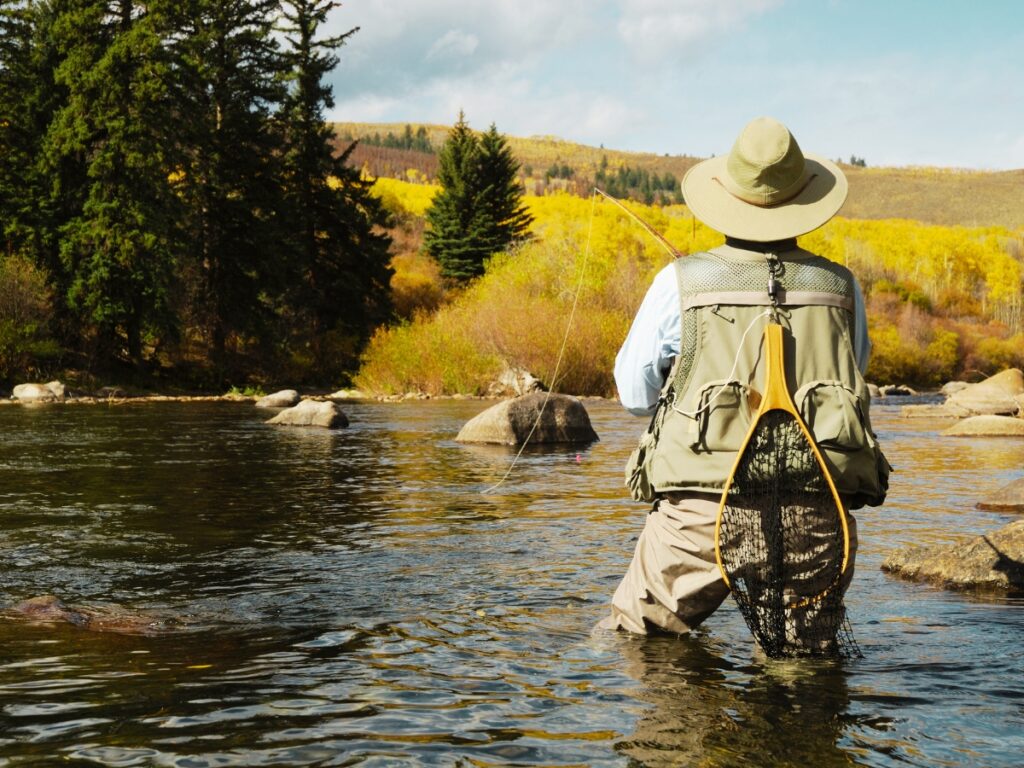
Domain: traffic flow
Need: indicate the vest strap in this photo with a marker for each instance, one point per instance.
(761, 298)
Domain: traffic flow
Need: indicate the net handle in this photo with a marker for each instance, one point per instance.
(776, 397)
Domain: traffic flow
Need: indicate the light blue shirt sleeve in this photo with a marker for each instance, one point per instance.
(861, 342)
(653, 342)
(649, 349)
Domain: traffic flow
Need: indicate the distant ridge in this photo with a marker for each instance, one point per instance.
(947, 196)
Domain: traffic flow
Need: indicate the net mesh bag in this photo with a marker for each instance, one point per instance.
(782, 545)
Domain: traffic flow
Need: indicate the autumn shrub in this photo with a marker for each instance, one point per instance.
(25, 312)
(416, 284)
(915, 351)
(934, 294)
(991, 354)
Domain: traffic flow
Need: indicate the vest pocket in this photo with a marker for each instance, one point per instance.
(832, 412)
(723, 416)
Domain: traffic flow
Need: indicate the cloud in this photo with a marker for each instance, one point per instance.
(454, 44)
(668, 30)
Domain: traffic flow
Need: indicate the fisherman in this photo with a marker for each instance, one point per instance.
(691, 358)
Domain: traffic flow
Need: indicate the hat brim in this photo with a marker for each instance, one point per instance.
(714, 205)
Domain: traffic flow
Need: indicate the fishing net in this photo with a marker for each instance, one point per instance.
(782, 544)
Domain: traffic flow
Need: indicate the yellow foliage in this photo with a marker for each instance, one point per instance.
(518, 310)
(401, 197)
(416, 284)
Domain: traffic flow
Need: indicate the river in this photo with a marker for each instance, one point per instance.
(351, 597)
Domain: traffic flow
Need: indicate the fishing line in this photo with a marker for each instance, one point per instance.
(572, 313)
(561, 351)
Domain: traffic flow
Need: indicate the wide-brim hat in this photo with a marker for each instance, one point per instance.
(766, 188)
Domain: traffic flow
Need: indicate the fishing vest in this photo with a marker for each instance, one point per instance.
(712, 394)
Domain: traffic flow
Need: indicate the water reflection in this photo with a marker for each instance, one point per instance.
(705, 710)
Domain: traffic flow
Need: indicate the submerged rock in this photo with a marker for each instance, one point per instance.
(40, 393)
(929, 411)
(994, 561)
(312, 413)
(987, 426)
(995, 396)
(286, 398)
(564, 420)
(1009, 498)
(49, 609)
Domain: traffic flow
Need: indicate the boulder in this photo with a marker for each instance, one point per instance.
(987, 426)
(1009, 498)
(995, 396)
(563, 420)
(515, 382)
(347, 394)
(952, 387)
(875, 391)
(312, 413)
(286, 398)
(897, 390)
(994, 561)
(40, 393)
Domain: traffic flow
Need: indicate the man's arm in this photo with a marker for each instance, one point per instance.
(653, 340)
(861, 342)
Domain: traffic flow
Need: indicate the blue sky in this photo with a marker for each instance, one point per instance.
(903, 82)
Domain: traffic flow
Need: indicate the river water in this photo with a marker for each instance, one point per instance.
(351, 597)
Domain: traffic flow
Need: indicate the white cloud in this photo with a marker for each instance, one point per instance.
(453, 44)
(668, 30)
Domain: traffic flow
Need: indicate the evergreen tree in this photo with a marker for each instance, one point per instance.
(228, 77)
(39, 192)
(479, 209)
(501, 194)
(118, 251)
(341, 291)
(460, 236)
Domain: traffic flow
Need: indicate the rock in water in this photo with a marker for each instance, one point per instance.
(995, 396)
(286, 398)
(896, 390)
(312, 413)
(994, 561)
(40, 393)
(987, 426)
(952, 387)
(1009, 498)
(49, 609)
(564, 420)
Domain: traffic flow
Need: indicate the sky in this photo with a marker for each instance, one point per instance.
(896, 82)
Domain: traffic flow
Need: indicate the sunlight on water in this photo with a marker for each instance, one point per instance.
(351, 597)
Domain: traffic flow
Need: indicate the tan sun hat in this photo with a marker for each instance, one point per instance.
(765, 188)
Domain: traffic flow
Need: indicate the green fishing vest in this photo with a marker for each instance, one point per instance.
(711, 397)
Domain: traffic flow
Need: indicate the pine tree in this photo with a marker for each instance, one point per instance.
(479, 210)
(228, 76)
(501, 194)
(118, 251)
(39, 192)
(460, 235)
(341, 282)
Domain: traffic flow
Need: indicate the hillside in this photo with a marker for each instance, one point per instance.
(931, 195)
